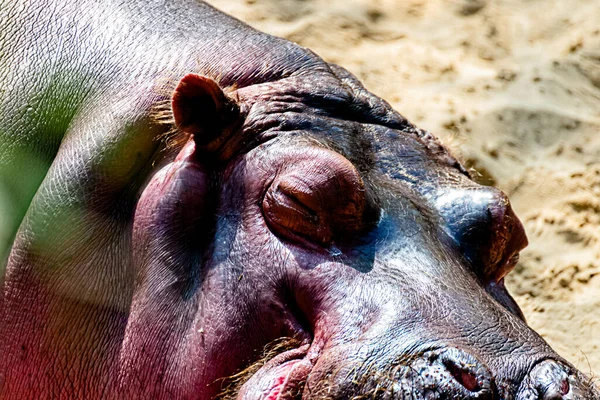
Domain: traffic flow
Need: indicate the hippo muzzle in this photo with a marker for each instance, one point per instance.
(219, 213)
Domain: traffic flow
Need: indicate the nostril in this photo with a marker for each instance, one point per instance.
(555, 392)
(466, 378)
(565, 387)
(466, 371)
(451, 374)
(548, 380)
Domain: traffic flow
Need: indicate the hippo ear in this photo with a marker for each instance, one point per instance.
(485, 227)
(201, 108)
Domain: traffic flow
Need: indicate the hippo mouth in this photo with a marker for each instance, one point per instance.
(282, 377)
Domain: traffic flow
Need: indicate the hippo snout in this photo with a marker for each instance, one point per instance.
(446, 373)
(456, 374)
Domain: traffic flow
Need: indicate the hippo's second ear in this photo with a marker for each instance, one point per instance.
(201, 108)
(485, 227)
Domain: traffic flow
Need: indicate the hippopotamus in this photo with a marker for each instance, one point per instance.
(194, 209)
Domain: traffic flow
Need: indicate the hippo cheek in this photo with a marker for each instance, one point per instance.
(177, 338)
(169, 235)
(185, 327)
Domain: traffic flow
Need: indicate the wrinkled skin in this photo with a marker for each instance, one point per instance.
(196, 190)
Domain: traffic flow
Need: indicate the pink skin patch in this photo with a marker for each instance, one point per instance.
(281, 378)
(279, 384)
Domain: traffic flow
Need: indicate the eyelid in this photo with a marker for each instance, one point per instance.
(298, 205)
(291, 218)
(317, 194)
(308, 195)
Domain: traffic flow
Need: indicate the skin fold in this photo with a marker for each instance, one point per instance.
(193, 209)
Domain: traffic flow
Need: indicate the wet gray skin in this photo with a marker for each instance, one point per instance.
(180, 192)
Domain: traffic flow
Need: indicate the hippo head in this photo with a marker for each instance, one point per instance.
(294, 238)
(309, 242)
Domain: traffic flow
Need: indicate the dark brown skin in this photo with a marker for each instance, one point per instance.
(203, 190)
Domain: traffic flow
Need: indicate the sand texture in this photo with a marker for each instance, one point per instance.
(513, 87)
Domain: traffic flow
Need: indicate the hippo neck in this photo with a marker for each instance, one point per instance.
(195, 37)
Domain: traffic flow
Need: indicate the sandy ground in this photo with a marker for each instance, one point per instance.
(514, 88)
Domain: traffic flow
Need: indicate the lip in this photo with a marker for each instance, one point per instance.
(281, 378)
